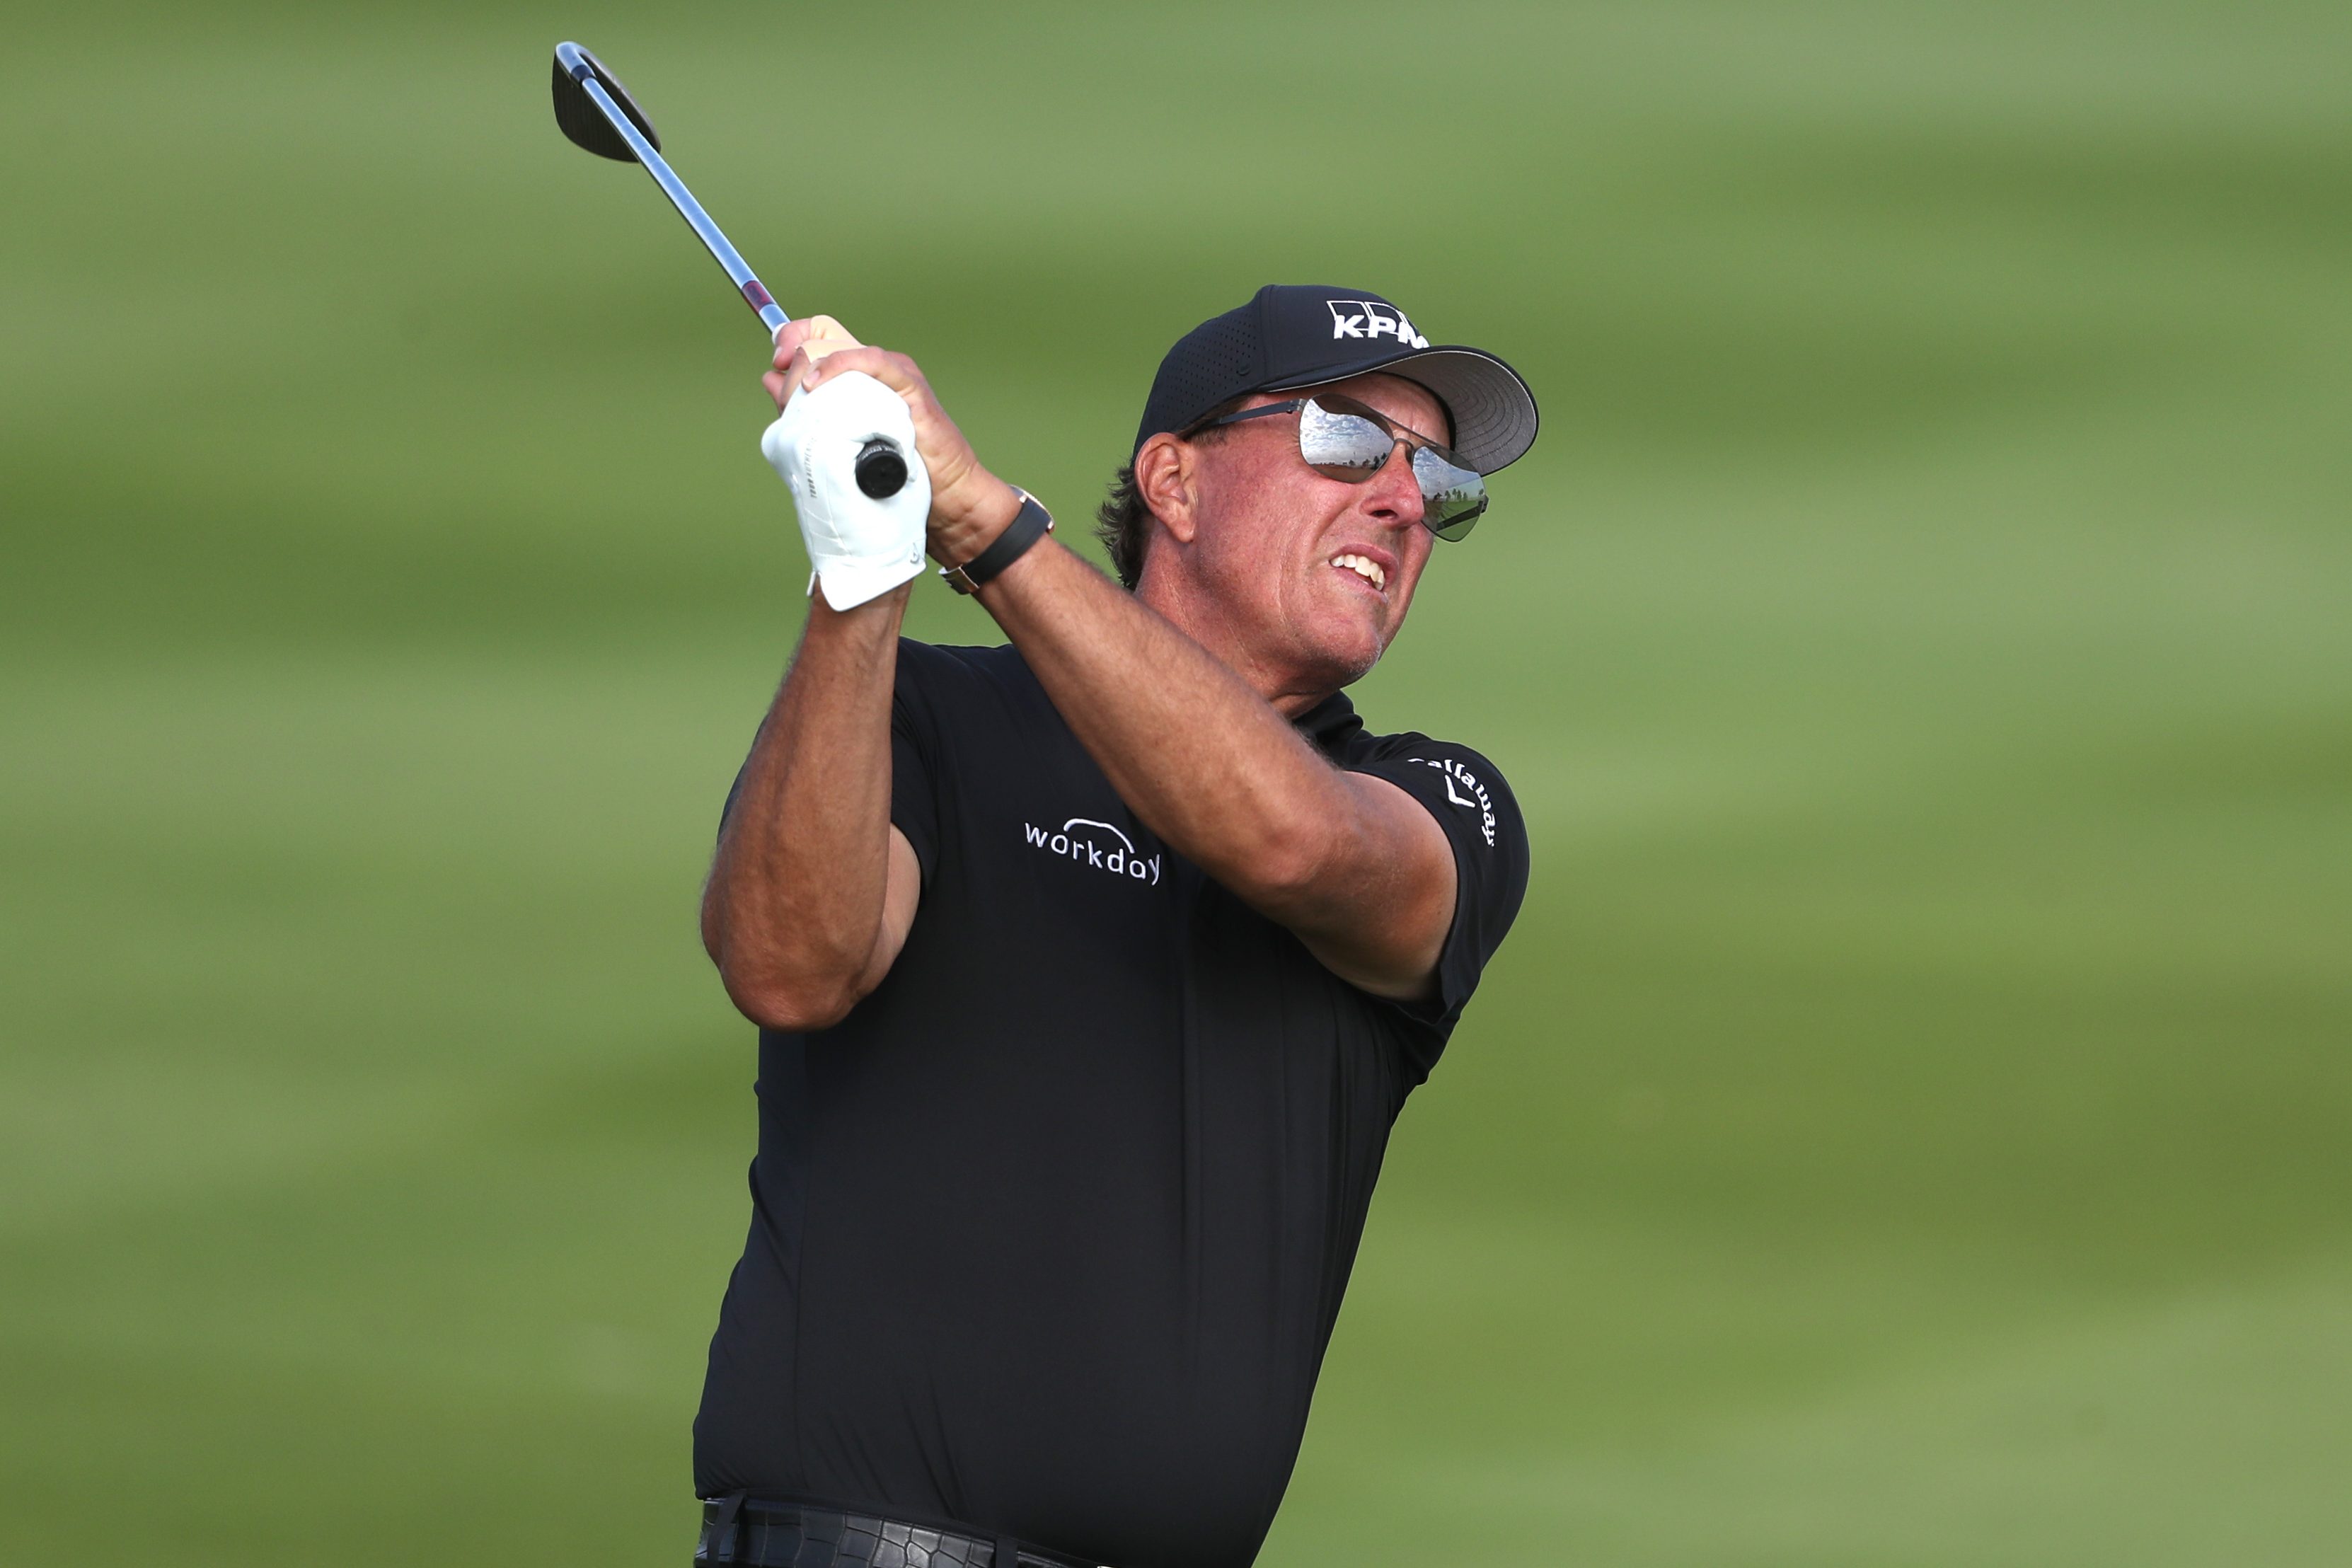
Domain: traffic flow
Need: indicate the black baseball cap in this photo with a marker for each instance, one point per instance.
(1293, 336)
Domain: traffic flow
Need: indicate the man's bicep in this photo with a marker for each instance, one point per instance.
(1478, 817)
(902, 891)
(1380, 925)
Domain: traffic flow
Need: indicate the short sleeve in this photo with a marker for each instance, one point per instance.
(1469, 800)
(914, 805)
(913, 749)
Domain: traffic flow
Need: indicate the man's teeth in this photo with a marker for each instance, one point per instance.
(1369, 571)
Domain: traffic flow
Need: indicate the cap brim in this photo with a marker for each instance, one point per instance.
(1494, 413)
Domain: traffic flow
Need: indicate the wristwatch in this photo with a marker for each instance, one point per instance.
(1030, 524)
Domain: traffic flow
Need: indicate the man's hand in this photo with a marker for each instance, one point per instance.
(970, 506)
(860, 544)
(799, 348)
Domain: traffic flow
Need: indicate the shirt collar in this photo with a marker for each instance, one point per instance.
(1330, 722)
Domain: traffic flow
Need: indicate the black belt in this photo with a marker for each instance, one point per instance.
(762, 1535)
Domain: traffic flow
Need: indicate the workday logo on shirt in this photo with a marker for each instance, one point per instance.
(1094, 845)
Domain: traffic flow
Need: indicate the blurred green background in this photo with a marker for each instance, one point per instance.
(1910, 1125)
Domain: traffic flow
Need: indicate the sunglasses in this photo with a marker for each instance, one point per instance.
(1342, 439)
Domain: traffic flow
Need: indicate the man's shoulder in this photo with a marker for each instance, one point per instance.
(953, 689)
(933, 664)
(1446, 776)
(952, 656)
(1366, 748)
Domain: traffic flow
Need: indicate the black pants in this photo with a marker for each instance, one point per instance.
(777, 1535)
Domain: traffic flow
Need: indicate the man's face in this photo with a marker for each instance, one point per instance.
(1307, 576)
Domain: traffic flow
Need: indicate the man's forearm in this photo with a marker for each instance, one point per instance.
(1206, 760)
(794, 903)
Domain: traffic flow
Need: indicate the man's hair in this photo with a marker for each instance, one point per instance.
(1123, 522)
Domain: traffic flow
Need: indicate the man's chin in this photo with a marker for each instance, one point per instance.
(1343, 665)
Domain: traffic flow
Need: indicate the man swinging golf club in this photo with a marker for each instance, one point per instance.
(1091, 970)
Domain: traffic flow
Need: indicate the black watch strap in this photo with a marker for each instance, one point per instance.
(1030, 524)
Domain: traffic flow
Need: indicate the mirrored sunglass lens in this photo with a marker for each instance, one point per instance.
(1454, 497)
(1460, 527)
(1331, 440)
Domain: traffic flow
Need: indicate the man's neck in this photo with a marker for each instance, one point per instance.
(1282, 688)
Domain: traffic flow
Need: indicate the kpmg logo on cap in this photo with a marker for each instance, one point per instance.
(1369, 319)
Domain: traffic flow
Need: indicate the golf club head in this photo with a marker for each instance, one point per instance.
(578, 118)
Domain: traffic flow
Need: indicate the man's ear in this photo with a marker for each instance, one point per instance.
(1164, 478)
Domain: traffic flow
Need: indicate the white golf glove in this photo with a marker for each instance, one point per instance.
(858, 548)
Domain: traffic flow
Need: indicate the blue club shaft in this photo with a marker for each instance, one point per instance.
(755, 293)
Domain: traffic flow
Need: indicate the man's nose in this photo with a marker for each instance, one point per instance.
(1397, 493)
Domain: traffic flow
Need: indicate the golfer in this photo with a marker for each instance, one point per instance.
(1092, 970)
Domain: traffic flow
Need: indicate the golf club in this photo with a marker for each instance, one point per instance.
(596, 113)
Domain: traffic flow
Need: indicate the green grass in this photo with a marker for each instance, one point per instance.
(1911, 1124)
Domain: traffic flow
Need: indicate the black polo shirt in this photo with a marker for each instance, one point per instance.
(1049, 1234)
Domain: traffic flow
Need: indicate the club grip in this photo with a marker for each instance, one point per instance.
(881, 470)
